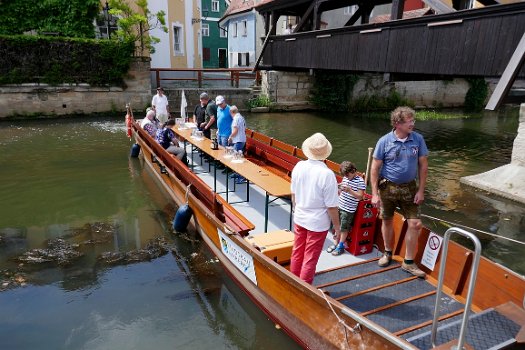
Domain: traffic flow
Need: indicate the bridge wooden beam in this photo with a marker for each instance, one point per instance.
(397, 9)
(508, 76)
(439, 6)
(354, 17)
(304, 17)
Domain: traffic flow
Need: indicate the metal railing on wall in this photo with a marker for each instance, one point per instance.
(198, 77)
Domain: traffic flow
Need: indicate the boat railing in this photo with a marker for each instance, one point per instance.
(472, 283)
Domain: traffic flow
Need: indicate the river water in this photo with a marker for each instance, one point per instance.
(73, 179)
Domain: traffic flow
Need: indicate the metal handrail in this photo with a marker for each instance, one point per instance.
(470, 293)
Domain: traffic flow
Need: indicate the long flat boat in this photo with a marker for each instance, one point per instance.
(353, 303)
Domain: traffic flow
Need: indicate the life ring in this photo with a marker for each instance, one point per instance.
(128, 125)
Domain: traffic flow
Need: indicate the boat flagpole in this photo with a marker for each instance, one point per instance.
(183, 105)
(367, 173)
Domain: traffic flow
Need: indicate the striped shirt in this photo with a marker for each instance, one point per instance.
(347, 202)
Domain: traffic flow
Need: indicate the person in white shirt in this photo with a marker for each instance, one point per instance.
(238, 136)
(160, 105)
(315, 204)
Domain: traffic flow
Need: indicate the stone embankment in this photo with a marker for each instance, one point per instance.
(507, 181)
(44, 100)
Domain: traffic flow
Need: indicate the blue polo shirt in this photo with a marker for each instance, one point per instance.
(224, 121)
(400, 159)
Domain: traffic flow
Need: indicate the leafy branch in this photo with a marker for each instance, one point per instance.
(135, 25)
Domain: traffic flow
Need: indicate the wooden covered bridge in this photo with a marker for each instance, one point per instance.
(442, 44)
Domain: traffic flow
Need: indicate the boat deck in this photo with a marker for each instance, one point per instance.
(278, 211)
(395, 300)
(404, 305)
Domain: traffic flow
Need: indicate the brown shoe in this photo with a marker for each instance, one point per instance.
(385, 260)
(413, 269)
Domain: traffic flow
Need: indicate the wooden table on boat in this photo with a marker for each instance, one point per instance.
(272, 184)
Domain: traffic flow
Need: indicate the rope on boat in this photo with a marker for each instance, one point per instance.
(346, 328)
(187, 192)
(473, 229)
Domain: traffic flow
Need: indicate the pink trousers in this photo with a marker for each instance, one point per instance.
(307, 248)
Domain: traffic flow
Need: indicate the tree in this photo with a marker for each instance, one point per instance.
(135, 25)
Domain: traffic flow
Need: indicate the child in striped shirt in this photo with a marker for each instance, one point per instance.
(351, 191)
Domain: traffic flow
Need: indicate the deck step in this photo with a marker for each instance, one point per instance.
(386, 296)
(347, 271)
(415, 312)
(486, 330)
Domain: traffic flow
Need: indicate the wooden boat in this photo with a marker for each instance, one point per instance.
(353, 303)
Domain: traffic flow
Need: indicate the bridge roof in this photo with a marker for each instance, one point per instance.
(239, 6)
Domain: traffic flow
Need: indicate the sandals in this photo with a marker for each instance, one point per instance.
(338, 251)
(331, 248)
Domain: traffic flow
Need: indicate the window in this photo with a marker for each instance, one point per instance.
(234, 30)
(177, 39)
(223, 32)
(215, 6)
(348, 10)
(244, 28)
(206, 54)
(239, 59)
(247, 58)
(205, 29)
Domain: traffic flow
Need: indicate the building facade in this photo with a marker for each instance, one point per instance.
(245, 27)
(181, 47)
(214, 37)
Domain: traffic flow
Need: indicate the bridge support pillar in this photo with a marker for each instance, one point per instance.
(507, 181)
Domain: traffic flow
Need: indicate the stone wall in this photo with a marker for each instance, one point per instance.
(292, 90)
(507, 181)
(42, 99)
(288, 90)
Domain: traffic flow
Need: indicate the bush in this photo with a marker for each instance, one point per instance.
(52, 60)
(476, 95)
(259, 101)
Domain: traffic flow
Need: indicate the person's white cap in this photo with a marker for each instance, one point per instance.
(317, 147)
(219, 100)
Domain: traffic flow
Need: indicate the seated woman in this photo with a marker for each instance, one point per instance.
(168, 140)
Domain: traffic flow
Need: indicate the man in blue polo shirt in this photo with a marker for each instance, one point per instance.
(399, 158)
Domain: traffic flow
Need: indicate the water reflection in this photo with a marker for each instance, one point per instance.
(59, 178)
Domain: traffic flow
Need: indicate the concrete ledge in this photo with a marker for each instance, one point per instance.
(507, 181)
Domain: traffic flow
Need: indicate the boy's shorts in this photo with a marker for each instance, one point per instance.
(393, 195)
(346, 220)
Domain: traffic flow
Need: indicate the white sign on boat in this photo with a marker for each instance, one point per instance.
(432, 249)
(242, 260)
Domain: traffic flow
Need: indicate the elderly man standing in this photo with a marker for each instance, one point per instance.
(399, 157)
(160, 105)
(315, 204)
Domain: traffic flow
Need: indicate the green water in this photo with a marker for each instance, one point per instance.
(58, 176)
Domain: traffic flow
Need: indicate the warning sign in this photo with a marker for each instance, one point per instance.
(431, 252)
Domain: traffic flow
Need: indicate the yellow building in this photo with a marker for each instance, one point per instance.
(181, 46)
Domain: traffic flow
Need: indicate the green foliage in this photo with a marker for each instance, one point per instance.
(68, 18)
(332, 90)
(29, 59)
(376, 102)
(259, 101)
(135, 26)
(476, 95)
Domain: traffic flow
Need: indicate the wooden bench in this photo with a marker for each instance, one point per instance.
(271, 156)
(233, 218)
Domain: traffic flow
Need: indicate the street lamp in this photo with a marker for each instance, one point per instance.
(107, 18)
